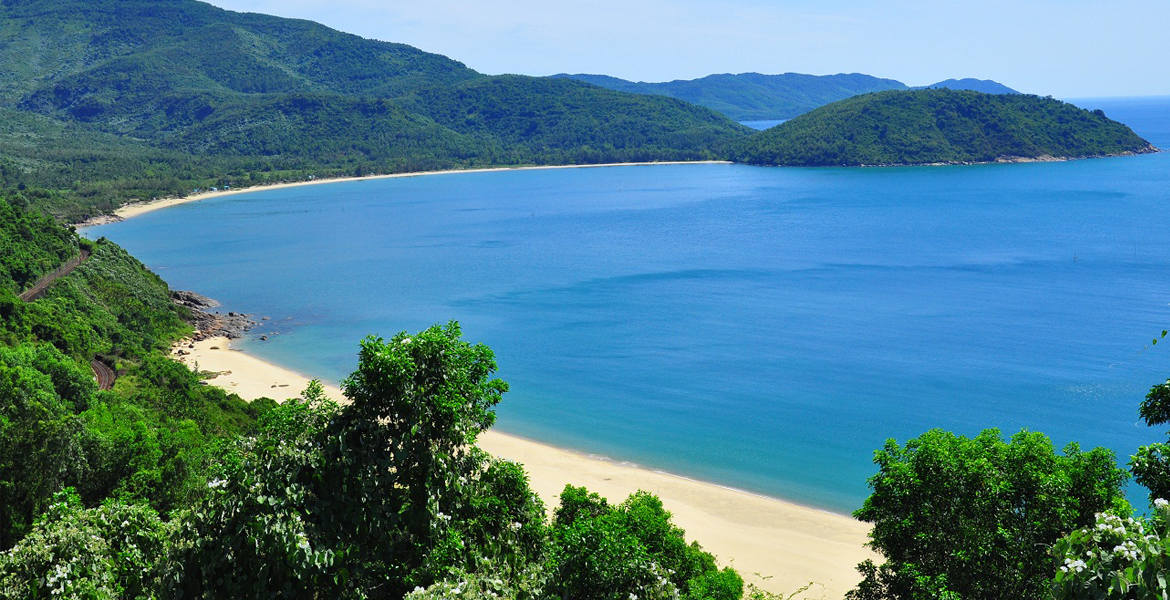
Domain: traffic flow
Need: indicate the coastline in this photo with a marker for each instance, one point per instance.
(135, 209)
(777, 545)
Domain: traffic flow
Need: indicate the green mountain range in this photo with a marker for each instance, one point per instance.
(986, 86)
(756, 97)
(752, 96)
(107, 100)
(940, 126)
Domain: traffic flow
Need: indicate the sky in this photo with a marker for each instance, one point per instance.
(1063, 48)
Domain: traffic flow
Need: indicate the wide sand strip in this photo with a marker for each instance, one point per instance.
(789, 544)
(137, 208)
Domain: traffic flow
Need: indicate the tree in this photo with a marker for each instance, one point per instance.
(603, 552)
(973, 518)
(1151, 464)
(374, 498)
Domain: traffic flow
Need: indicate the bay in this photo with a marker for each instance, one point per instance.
(761, 328)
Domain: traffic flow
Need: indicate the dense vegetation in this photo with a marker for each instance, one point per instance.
(752, 96)
(110, 100)
(939, 126)
(149, 439)
(976, 518)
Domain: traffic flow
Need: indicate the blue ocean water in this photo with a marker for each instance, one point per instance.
(763, 328)
(761, 125)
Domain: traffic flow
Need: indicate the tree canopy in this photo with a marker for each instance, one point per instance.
(974, 518)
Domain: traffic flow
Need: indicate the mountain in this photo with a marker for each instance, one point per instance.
(571, 121)
(752, 96)
(986, 86)
(74, 55)
(108, 100)
(940, 126)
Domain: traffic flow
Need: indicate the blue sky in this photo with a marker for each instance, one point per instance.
(1064, 48)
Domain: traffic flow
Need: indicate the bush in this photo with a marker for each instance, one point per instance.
(1115, 559)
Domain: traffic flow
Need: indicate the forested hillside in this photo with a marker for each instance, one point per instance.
(940, 126)
(148, 440)
(111, 100)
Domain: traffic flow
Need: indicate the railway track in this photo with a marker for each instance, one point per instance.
(101, 372)
(38, 289)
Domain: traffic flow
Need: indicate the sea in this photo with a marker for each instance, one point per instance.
(765, 329)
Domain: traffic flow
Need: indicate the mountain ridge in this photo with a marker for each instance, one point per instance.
(759, 97)
(753, 96)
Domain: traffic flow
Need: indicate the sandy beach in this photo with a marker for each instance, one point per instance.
(777, 545)
(138, 208)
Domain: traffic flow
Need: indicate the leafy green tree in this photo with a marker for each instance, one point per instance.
(973, 518)
(375, 498)
(603, 552)
(405, 452)
(1151, 464)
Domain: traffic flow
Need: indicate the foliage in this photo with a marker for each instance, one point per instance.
(375, 498)
(939, 126)
(39, 433)
(752, 96)
(1116, 559)
(31, 244)
(986, 86)
(254, 533)
(630, 550)
(1151, 464)
(109, 552)
(973, 518)
(148, 440)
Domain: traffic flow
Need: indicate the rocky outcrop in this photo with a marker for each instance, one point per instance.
(209, 323)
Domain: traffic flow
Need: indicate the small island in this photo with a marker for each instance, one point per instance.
(941, 126)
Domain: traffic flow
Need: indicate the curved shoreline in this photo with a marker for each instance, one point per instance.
(134, 209)
(778, 545)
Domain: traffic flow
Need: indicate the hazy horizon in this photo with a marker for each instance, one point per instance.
(1066, 49)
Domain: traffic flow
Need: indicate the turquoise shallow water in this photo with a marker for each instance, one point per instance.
(760, 328)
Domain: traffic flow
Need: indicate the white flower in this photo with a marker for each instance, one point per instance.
(216, 483)
(1161, 503)
(405, 341)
